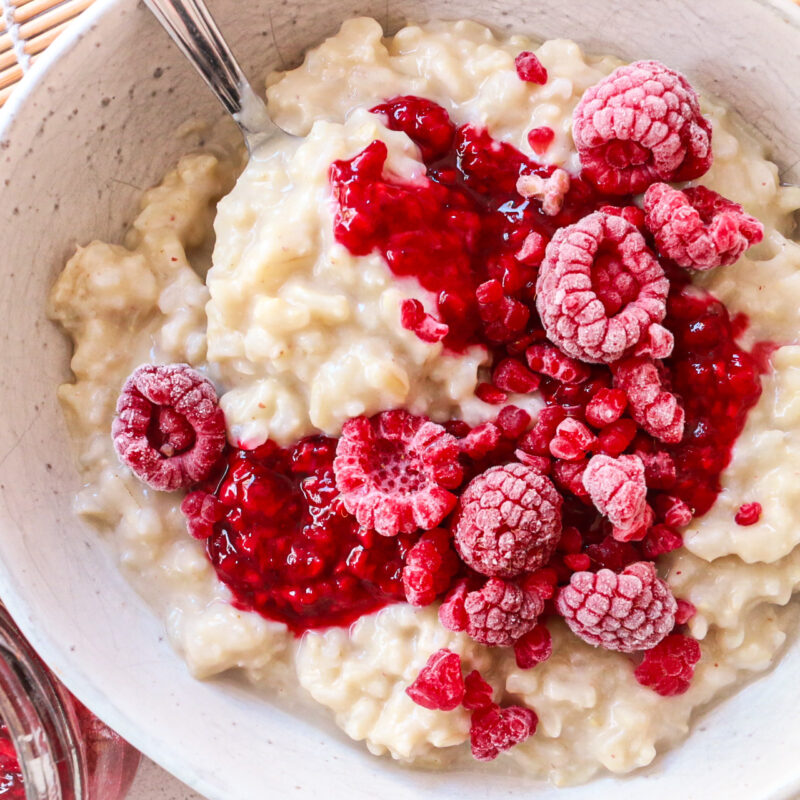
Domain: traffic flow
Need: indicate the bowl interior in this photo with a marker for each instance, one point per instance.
(94, 124)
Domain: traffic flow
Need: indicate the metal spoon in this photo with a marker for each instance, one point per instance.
(192, 28)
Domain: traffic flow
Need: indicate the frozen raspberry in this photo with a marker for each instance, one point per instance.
(697, 228)
(503, 317)
(568, 475)
(513, 421)
(632, 214)
(534, 647)
(429, 569)
(529, 68)
(685, 612)
(550, 361)
(511, 375)
(169, 428)
(414, 318)
(496, 614)
(577, 562)
(660, 539)
(631, 611)
(393, 471)
(672, 510)
(600, 289)
(507, 521)
(540, 139)
(659, 469)
(639, 125)
(748, 514)
(202, 512)
(619, 493)
(532, 251)
(537, 440)
(615, 438)
(490, 394)
(549, 191)
(543, 582)
(539, 463)
(655, 410)
(669, 667)
(481, 440)
(572, 440)
(439, 685)
(605, 407)
(478, 693)
(494, 730)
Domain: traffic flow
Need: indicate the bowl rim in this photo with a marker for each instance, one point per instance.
(45, 645)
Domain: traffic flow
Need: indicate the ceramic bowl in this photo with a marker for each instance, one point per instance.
(92, 124)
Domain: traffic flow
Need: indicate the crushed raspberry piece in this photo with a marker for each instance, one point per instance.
(605, 407)
(537, 440)
(641, 124)
(540, 139)
(660, 539)
(481, 440)
(426, 123)
(539, 463)
(569, 476)
(490, 394)
(202, 512)
(508, 521)
(494, 730)
(748, 514)
(549, 191)
(534, 647)
(439, 685)
(612, 554)
(697, 228)
(659, 469)
(572, 440)
(600, 289)
(619, 492)
(543, 582)
(511, 375)
(430, 566)
(616, 437)
(497, 614)
(533, 248)
(672, 510)
(414, 318)
(655, 410)
(685, 612)
(169, 428)
(631, 611)
(658, 342)
(394, 470)
(529, 68)
(478, 693)
(550, 361)
(513, 421)
(577, 562)
(668, 668)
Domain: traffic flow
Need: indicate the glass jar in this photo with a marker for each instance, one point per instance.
(51, 746)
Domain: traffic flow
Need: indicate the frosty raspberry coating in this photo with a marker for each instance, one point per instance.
(595, 318)
(439, 685)
(494, 730)
(605, 407)
(657, 411)
(202, 512)
(628, 612)
(668, 668)
(497, 614)
(534, 647)
(698, 228)
(529, 68)
(429, 568)
(572, 440)
(392, 470)
(507, 521)
(619, 492)
(639, 125)
(549, 191)
(169, 428)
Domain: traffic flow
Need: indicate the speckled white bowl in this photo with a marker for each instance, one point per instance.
(91, 125)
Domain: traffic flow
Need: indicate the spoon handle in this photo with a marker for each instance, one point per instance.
(192, 28)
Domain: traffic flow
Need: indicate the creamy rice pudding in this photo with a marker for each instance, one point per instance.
(508, 423)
